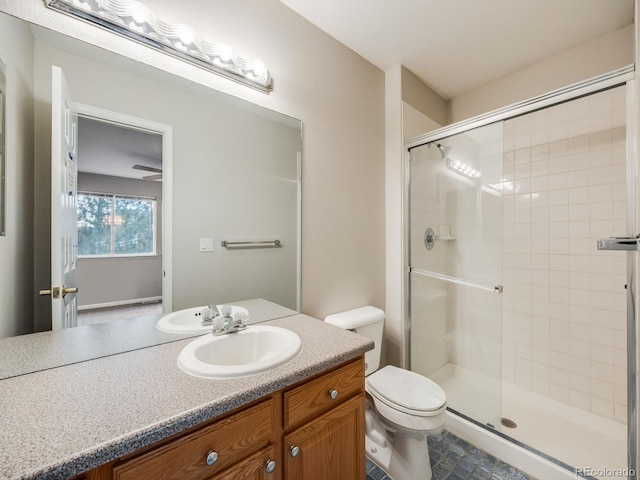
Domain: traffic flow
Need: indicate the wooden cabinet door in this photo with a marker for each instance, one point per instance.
(331, 446)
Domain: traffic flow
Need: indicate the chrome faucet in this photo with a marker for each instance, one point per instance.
(226, 323)
(208, 314)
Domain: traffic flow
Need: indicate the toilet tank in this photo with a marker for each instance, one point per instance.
(367, 321)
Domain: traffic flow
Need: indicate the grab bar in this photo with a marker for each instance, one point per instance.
(460, 281)
(255, 244)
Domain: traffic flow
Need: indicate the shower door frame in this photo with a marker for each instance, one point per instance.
(623, 76)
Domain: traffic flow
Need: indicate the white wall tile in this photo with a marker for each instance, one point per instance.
(580, 400)
(579, 161)
(559, 180)
(540, 167)
(603, 390)
(620, 413)
(602, 407)
(569, 304)
(601, 175)
(600, 158)
(578, 143)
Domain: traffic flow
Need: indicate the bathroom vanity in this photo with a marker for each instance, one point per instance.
(318, 425)
(136, 415)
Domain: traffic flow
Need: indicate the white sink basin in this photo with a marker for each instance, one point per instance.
(189, 321)
(256, 349)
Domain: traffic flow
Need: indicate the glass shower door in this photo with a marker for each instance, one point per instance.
(455, 258)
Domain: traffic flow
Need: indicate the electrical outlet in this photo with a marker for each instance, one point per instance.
(206, 244)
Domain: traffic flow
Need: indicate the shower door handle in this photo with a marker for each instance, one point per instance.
(630, 244)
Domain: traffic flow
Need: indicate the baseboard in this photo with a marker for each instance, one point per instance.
(120, 303)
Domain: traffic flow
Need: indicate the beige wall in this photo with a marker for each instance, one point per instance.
(597, 57)
(339, 98)
(16, 247)
(422, 98)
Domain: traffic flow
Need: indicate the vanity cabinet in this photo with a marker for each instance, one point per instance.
(330, 446)
(206, 452)
(324, 422)
(313, 429)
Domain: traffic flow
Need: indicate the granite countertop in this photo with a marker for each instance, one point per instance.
(40, 351)
(60, 422)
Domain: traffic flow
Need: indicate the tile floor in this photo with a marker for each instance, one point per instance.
(454, 459)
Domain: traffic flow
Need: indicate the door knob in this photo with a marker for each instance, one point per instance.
(55, 291)
(66, 290)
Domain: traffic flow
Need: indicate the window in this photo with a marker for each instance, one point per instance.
(116, 225)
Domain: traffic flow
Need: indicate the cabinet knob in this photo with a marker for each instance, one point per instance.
(333, 393)
(212, 457)
(295, 450)
(271, 466)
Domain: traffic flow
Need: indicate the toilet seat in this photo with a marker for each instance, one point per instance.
(407, 391)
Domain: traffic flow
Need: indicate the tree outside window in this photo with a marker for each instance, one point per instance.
(115, 225)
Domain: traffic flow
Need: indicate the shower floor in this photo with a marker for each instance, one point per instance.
(566, 433)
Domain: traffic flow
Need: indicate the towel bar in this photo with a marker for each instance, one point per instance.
(266, 243)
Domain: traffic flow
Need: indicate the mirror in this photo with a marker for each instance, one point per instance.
(230, 172)
(3, 89)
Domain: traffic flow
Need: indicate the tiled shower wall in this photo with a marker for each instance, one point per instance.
(564, 320)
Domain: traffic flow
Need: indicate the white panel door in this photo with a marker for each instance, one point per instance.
(64, 175)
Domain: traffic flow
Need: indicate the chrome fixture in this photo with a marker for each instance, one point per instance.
(444, 150)
(429, 238)
(225, 323)
(499, 289)
(630, 244)
(255, 244)
(208, 314)
(136, 21)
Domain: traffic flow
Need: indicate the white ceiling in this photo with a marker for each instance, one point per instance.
(455, 46)
(107, 149)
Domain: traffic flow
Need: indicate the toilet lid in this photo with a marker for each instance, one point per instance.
(407, 389)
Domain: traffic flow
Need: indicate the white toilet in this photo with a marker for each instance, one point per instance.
(402, 407)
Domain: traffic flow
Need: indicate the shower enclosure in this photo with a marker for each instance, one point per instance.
(513, 309)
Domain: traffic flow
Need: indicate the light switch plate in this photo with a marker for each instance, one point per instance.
(206, 244)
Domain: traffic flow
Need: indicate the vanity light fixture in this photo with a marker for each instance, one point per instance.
(493, 188)
(501, 188)
(463, 169)
(135, 20)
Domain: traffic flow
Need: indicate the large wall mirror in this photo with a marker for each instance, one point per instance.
(168, 170)
(3, 94)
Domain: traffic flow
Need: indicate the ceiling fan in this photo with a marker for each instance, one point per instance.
(157, 171)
